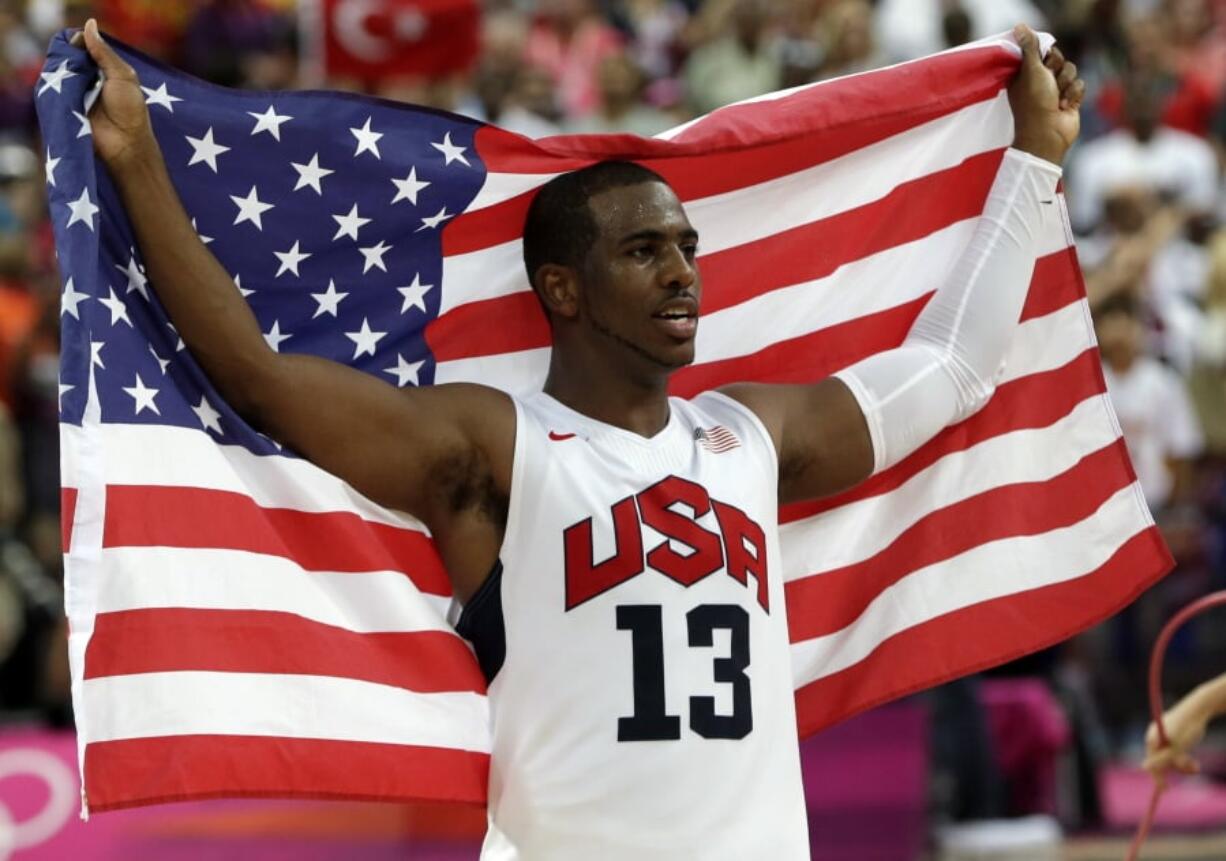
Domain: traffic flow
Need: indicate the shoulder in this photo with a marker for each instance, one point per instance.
(743, 406)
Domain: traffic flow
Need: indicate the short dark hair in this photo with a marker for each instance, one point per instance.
(560, 227)
(1121, 302)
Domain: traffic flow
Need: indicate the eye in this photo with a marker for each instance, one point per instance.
(690, 250)
(642, 253)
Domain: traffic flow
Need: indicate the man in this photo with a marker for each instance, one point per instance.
(616, 550)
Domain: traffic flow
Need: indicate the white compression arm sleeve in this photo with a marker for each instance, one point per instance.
(947, 367)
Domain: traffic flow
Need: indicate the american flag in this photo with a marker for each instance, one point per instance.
(243, 623)
(717, 439)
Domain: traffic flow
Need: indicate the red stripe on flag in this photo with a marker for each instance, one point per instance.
(831, 600)
(255, 641)
(489, 327)
(1056, 282)
(910, 212)
(1033, 401)
(68, 511)
(154, 516)
(996, 631)
(488, 226)
(133, 772)
(816, 115)
(806, 358)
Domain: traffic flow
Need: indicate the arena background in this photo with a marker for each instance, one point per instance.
(1035, 760)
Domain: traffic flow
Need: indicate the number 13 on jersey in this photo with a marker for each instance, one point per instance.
(650, 720)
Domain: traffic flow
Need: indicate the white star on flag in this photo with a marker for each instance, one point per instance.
(143, 396)
(136, 277)
(414, 294)
(434, 220)
(329, 301)
(405, 372)
(238, 282)
(450, 151)
(250, 208)
(349, 224)
(205, 149)
(205, 239)
(274, 337)
(55, 80)
(179, 345)
(70, 299)
(374, 256)
(160, 97)
(83, 210)
(50, 166)
(86, 128)
(364, 340)
(368, 140)
(209, 417)
(310, 174)
(118, 310)
(95, 353)
(407, 188)
(269, 121)
(64, 389)
(162, 363)
(290, 260)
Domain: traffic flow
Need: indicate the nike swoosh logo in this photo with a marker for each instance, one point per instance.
(558, 437)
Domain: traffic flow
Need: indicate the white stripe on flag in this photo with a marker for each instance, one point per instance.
(272, 704)
(208, 579)
(184, 457)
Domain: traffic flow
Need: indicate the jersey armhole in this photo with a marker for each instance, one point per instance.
(753, 419)
(518, 455)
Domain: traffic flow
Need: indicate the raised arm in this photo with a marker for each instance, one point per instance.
(834, 434)
(442, 453)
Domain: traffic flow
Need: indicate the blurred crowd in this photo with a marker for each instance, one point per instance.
(1144, 187)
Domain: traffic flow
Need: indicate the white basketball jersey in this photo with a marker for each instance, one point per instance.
(644, 706)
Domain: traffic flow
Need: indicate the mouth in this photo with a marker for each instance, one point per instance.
(679, 318)
(682, 327)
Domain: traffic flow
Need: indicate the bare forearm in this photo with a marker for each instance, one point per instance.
(1210, 698)
(199, 295)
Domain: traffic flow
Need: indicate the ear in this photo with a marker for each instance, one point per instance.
(558, 287)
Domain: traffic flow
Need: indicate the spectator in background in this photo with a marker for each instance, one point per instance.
(1155, 412)
(1198, 43)
(243, 27)
(1177, 165)
(739, 65)
(849, 45)
(1183, 98)
(656, 31)
(907, 29)
(621, 106)
(1207, 334)
(20, 60)
(569, 41)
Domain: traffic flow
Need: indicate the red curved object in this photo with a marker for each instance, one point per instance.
(1215, 599)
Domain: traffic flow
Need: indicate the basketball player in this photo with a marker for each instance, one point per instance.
(617, 550)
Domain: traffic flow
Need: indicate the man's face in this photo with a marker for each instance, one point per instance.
(640, 286)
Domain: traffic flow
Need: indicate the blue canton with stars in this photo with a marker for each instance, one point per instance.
(326, 208)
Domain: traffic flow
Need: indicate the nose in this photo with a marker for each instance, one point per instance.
(678, 272)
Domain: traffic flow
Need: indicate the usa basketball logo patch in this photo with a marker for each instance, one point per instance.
(716, 439)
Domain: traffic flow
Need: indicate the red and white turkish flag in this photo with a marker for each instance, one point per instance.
(377, 39)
